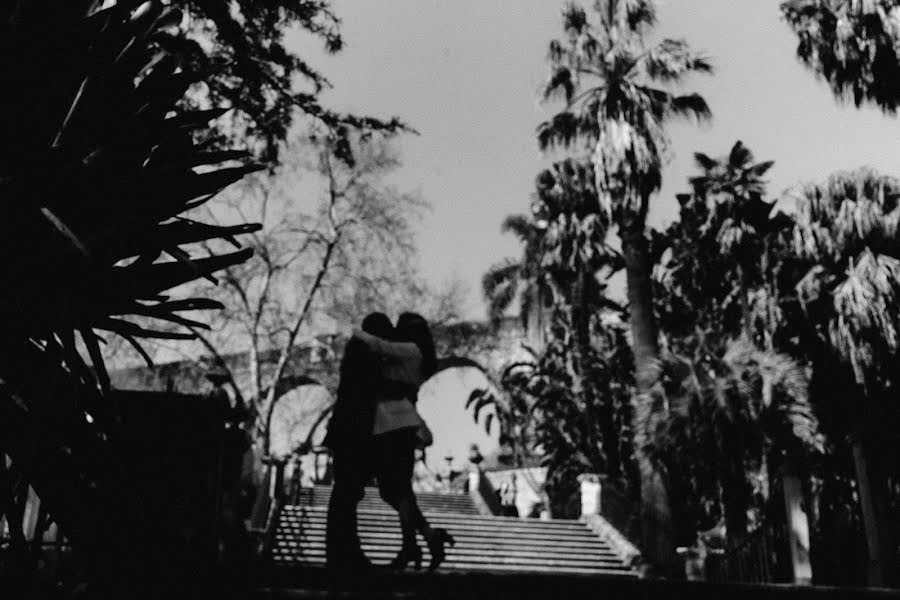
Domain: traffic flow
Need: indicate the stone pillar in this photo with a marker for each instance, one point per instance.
(798, 530)
(483, 494)
(474, 480)
(590, 494)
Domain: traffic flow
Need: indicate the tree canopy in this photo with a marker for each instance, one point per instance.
(851, 44)
(241, 52)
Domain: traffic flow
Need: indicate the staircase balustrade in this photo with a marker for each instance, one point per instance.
(483, 493)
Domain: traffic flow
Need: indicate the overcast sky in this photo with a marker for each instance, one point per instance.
(465, 73)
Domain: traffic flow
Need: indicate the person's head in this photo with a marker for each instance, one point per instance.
(357, 368)
(378, 324)
(412, 327)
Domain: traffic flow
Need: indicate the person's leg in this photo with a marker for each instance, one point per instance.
(342, 545)
(409, 505)
(436, 537)
(395, 486)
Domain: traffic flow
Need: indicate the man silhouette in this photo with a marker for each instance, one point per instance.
(349, 438)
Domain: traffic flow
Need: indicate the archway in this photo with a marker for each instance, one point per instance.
(442, 403)
(302, 411)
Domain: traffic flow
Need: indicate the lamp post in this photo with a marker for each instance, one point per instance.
(475, 456)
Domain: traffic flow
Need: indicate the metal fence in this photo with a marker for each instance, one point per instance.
(761, 557)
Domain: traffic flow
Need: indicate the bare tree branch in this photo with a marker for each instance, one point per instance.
(220, 361)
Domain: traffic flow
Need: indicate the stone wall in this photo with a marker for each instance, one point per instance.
(319, 359)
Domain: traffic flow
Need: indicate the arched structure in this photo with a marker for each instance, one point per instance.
(466, 344)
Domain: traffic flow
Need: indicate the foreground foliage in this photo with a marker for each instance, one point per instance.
(97, 167)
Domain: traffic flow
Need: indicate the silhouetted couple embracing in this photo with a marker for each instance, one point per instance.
(375, 430)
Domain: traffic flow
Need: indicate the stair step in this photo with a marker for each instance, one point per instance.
(384, 557)
(470, 566)
(470, 542)
(373, 493)
(513, 528)
(484, 543)
(306, 547)
(456, 503)
(585, 541)
(371, 490)
(554, 524)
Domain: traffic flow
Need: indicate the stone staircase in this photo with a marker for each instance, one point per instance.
(484, 543)
(456, 504)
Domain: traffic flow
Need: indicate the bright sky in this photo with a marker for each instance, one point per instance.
(465, 73)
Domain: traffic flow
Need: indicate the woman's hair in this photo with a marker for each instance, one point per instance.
(412, 327)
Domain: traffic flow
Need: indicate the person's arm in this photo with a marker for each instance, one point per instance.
(402, 360)
(388, 349)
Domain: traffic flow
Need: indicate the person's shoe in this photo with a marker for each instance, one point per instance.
(406, 555)
(436, 546)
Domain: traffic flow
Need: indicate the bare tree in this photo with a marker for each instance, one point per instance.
(336, 241)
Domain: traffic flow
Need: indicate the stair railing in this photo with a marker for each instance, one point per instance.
(268, 503)
(758, 558)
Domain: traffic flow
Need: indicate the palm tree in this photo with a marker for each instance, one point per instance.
(715, 253)
(730, 407)
(852, 45)
(617, 104)
(99, 165)
(720, 280)
(564, 261)
(521, 281)
(539, 413)
(575, 251)
(733, 189)
(733, 176)
(846, 237)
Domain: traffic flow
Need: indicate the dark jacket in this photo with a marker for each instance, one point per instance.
(353, 418)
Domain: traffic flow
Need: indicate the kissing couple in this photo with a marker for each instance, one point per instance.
(375, 431)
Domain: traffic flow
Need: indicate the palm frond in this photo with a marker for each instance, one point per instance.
(672, 60)
(561, 131)
(104, 133)
(560, 84)
(691, 106)
(705, 162)
(740, 155)
(500, 285)
(520, 225)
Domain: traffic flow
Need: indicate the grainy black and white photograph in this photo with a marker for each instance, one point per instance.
(449, 299)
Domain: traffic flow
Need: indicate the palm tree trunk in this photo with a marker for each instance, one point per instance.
(536, 326)
(580, 366)
(640, 305)
(873, 501)
(745, 303)
(658, 531)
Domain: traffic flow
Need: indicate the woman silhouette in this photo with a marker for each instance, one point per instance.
(410, 360)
